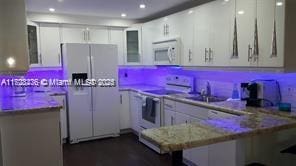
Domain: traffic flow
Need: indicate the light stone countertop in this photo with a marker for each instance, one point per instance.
(31, 103)
(251, 122)
(185, 136)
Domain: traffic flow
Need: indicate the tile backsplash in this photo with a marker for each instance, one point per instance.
(222, 82)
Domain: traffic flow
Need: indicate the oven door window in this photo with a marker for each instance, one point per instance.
(149, 111)
(161, 55)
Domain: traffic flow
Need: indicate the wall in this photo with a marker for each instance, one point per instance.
(222, 82)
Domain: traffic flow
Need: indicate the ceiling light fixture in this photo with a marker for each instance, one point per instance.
(10, 62)
(279, 4)
(51, 9)
(142, 6)
(241, 12)
(190, 11)
(123, 15)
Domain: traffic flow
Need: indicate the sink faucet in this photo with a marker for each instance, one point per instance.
(208, 91)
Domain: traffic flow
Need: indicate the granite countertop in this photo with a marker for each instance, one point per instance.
(234, 107)
(31, 103)
(250, 122)
(185, 136)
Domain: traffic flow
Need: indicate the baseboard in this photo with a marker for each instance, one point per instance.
(126, 131)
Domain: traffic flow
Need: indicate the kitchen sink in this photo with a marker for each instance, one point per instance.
(207, 99)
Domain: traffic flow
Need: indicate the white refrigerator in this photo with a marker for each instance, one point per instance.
(93, 112)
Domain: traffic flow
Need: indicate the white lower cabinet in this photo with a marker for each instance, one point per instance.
(169, 117)
(225, 153)
(135, 108)
(124, 110)
(63, 116)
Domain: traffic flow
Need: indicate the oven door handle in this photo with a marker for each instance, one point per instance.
(156, 100)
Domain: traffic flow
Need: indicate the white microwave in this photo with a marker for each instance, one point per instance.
(166, 52)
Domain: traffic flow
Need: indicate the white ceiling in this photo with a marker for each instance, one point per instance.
(104, 8)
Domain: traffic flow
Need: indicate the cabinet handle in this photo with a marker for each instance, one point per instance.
(211, 57)
(172, 120)
(41, 62)
(59, 56)
(190, 55)
(164, 30)
(84, 36)
(88, 35)
(168, 29)
(120, 99)
(250, 56)
(64, 104)
(206, 54)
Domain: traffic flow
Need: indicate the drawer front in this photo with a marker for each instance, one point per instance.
(169, 104)
(198, 112)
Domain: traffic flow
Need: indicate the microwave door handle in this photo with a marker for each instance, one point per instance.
(170, 54)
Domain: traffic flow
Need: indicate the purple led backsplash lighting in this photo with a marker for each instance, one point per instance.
(35, 73)
(222, 82)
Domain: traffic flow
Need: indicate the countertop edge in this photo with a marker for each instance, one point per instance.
(32, 111)
(224, 138)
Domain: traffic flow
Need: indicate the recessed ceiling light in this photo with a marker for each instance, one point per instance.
(60, 0)
(190, 11)
(123, 15)
(226, 0)
(10, 62)
(279, 4)
(51, 9)
(241, 12)
(142, 6)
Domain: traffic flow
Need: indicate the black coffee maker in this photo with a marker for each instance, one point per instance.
(249, 93)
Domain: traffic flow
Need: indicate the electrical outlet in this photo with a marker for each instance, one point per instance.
(289, 92)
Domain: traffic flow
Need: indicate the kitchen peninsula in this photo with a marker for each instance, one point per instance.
(249, 123)
(30, 131)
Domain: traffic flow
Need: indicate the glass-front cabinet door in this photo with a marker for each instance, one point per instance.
(33, 46)
(133, 48)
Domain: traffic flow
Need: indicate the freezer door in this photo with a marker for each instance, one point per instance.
(105, 99)
(77, 65)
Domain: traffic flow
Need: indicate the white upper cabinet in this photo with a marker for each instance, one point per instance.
(187, 34)
(50, 45)
(212, 38)
(149, 31)
(271, 32)
(73, 34)
(116, 37)
(221, 41)
(203, 36)
(133, 45)
(97, 35)
(84, 34)
(245, 12)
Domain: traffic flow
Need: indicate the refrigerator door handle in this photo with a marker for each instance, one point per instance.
(93, 93)
(89, 88)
